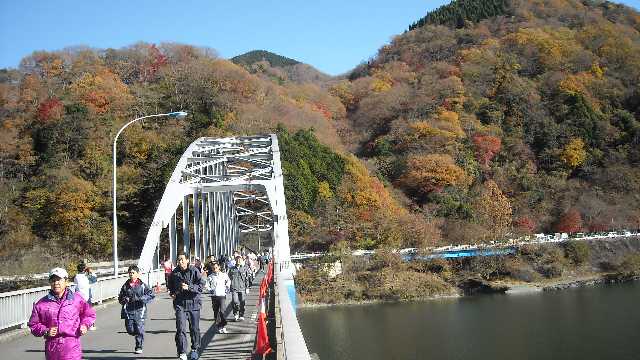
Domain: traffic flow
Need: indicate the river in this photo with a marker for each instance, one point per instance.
(601, 322)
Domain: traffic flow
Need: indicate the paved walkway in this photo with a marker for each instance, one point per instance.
(110, 340)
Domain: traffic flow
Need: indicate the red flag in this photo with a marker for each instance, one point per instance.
(262, 339)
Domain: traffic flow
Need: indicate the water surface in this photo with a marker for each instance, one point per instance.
(601, 322)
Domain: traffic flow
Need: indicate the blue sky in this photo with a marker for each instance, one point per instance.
(332, 35)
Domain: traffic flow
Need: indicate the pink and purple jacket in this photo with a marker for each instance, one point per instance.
(67, 313)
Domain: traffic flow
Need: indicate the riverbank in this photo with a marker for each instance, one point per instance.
(510, 288)
(310, 305)
(386, 278)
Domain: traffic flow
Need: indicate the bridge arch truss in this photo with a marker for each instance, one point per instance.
(220, 189)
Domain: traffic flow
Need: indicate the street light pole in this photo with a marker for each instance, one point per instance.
(178, 115)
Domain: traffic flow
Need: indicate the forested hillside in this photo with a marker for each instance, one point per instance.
(488, 119)
(516, 123)
(60, 111)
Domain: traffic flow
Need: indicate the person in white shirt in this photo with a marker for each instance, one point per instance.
(217, 284)
(83, 280)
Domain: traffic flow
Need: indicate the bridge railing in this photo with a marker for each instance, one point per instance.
(289, 339)
(15, 306)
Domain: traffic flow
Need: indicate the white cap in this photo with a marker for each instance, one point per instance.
(59, 272)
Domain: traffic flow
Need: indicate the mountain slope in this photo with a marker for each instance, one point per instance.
(509, 124)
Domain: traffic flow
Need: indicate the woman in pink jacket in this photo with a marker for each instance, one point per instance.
(61, 317)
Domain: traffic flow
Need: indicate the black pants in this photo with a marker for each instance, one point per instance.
(238, 299)
(217, 302)
(135, 328)
(193, 317)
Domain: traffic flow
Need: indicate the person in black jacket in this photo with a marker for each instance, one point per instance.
(134, 297)
(185, 287)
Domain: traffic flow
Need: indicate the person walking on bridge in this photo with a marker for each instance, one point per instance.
(240, 282)
(62, 316)
(185, 287)
(217, 285)
(134, 297)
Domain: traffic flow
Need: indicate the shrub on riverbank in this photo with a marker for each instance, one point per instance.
(381, 277)
(577, 251)
(628, 268)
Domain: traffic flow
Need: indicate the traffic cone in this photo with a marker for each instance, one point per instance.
(262, 346)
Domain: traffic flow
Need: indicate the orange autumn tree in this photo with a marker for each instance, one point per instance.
(101, 92)
(365, 193)
(373, 218)
(493, 209)
(433, 172)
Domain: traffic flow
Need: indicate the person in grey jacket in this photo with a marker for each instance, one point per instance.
(185, 286)
(240, 277)
(134, 297)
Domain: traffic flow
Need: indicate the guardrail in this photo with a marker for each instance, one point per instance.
(483, 246)
(289, 339)
(15, 306)
(100, 268)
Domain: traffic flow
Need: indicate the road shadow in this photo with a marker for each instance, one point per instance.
(159, 331)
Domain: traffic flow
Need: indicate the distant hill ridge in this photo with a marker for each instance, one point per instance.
(262, 55)
(456, 13)
(459, 11)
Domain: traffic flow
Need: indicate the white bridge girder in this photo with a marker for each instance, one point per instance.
(220, 188)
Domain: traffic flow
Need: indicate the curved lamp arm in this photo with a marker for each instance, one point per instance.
(178, 115)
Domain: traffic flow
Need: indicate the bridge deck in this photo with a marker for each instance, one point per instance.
(110, 340)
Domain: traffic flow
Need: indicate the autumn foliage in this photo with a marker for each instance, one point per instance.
(50, 109)
(486, 147)
(483, 119)
(570, 222)
(432, 172)
(574, 153)
(524, 224)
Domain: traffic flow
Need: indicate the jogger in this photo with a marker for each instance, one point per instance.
(61, 317)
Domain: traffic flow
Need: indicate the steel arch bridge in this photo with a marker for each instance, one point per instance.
(219, 189)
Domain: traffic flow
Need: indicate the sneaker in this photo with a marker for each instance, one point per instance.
(138, 351)
(235, 316)
(241, 318)
(182, 357)
(193, 355)
(223, 331)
